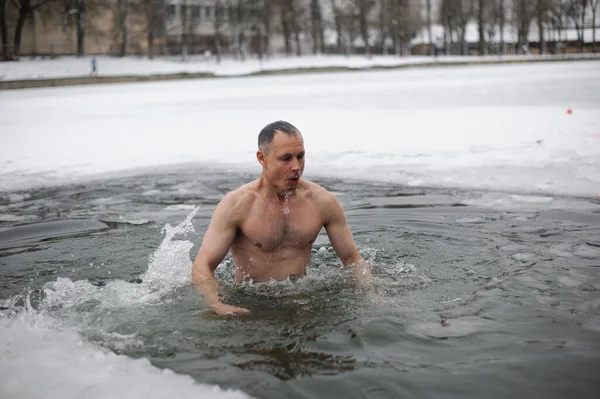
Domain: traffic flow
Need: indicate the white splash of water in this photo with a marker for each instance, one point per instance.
(169, 268)
(170, 265)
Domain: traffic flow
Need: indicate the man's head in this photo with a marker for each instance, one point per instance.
(281, 154)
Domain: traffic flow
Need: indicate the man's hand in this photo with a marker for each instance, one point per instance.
(208, 287)
(223, 309)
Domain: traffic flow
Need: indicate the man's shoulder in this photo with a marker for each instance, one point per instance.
(235, 205)
(241, 196)
(317, 192)
(325, 201)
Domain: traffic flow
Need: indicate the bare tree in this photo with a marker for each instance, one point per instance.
(523, 14)
(295, 14)
(594, 6)
(559, 17)
(455, 15)
(429, 31)
(406, 21)
(352, 28)
(267, 19)
(501, 14)
(258, 19)
(291, 12)
(76, 11)
(491, 23)
(542, 18)
(80, 26)
(26, 9)
(481, 26)
(357, 24)
(217, 24)
(154, 14)
(496, 21)
(383, 14)
(344, 25)
(388, 24)
(286, 26)
(238, 27)
(364, 8)
(576, 11)
(467, 8)
(185, 24)
(318, 44)
(4, 30)
(447, 20)
(122, 24)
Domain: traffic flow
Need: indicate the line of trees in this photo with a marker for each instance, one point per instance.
(342, 26)
(494, 16)
(80, 16)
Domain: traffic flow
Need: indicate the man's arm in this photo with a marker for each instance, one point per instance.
(342, 241)
(215, 244)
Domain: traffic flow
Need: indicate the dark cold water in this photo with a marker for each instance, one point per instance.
(476, 294)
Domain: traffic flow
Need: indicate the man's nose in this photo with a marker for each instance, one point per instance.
(295, 165)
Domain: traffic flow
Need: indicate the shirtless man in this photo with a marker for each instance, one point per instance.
(270, 224)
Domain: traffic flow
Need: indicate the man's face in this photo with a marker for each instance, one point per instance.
(283, 162)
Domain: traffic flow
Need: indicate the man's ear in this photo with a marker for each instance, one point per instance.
(261, 157)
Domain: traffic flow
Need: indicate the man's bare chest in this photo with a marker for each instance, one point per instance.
(270, 228)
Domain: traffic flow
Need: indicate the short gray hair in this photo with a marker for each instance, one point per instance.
(268, 132)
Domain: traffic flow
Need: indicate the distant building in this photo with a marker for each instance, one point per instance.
(205, 26)
(239, 28)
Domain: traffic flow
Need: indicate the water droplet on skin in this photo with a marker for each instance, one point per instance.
(286, 209)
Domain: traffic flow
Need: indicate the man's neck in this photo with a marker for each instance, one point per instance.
(272, 191)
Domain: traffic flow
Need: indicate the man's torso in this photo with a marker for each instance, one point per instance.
(275, 237)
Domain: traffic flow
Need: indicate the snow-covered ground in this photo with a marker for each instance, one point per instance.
(65, 67)
(39, 360)
(500, 127)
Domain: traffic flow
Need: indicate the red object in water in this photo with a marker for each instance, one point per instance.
(569, 111)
